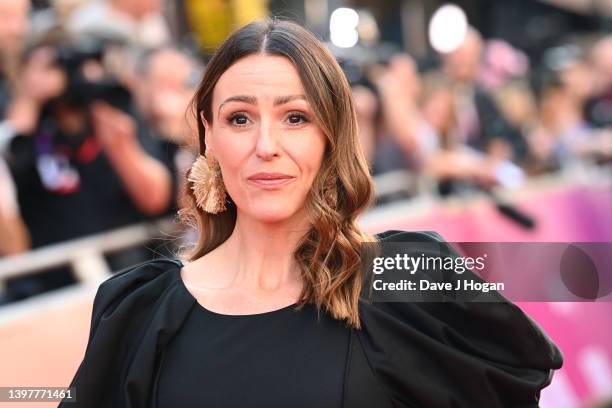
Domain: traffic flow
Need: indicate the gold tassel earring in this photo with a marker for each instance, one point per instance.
(207, 184)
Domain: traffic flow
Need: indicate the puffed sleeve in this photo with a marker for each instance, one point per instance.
(455, 353)
(135, 313)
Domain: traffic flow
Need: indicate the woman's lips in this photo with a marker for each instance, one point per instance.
(270, 181)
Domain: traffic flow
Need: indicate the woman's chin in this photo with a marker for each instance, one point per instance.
(273, 218)
(273, 213)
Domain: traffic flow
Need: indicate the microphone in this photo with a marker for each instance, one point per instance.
(513, 213)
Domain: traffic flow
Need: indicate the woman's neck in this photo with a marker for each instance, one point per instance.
(260, 255)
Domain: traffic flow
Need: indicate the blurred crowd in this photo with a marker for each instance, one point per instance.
(96, 131)
(94, 114)
(483, 115)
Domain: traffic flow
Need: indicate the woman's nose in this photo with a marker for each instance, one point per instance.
(267, 141)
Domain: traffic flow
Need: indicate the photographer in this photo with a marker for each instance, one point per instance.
(81, 161)
(479, 122)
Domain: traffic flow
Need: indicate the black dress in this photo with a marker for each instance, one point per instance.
(152, 344)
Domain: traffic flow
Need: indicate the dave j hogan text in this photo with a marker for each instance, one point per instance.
(426, 285)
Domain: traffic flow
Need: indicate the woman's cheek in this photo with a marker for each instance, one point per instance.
(228, 154)
(310, 143)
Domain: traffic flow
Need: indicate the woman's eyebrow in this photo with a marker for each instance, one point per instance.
(251, 100)
(280, 100)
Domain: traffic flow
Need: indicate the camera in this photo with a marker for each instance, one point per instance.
(88, 80)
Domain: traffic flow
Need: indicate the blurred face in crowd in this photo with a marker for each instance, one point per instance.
(463, 64)
(13, 24)
(164, 94)
(265, 137)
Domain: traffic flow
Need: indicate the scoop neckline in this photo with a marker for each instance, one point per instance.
(198, 305)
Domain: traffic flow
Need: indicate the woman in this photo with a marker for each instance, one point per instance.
(272, 310)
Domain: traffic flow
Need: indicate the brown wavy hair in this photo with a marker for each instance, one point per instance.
(329, 254)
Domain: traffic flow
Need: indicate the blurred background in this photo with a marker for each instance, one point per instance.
(482, 120)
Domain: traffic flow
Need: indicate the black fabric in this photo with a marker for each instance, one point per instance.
(450, 354)
(464, 354)
(283, 358)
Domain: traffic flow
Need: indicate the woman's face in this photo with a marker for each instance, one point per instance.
(264, 135)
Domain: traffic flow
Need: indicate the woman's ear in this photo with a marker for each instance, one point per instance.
(207, 133)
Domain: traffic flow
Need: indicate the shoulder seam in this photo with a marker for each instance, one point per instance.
(151, 262)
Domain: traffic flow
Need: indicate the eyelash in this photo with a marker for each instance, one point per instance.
(303, 118)
(233, 117)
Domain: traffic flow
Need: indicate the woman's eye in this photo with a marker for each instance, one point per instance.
(238, 119)
(297, 118)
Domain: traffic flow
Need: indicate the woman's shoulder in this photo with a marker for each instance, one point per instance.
(453, 351)
(133, 290)
(136, 286)
(135, 313)
(150, 268)
(157, 270)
